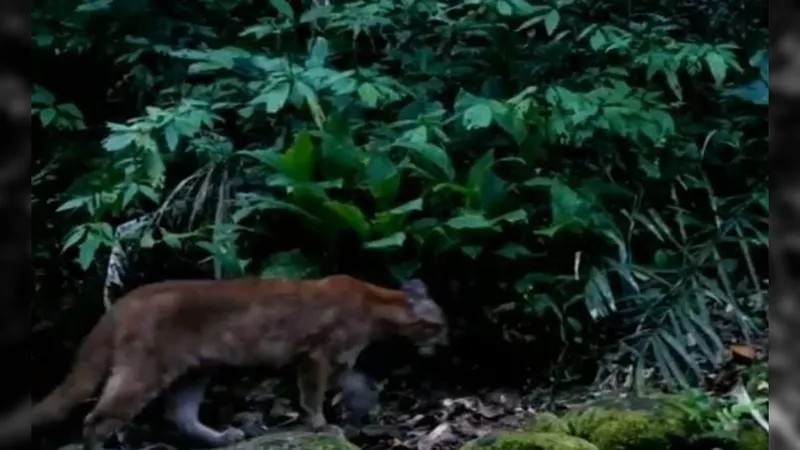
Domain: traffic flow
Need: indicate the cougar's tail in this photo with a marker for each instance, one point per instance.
(91, 366)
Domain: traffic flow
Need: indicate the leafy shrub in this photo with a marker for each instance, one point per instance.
(566, 162)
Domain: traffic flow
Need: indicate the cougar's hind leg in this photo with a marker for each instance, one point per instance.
(183, 410)
(125, 394)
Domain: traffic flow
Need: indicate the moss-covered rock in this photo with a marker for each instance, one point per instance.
(546, 422)
(636, 423)
(296, 440)
(630, 430)
(522, 440)
(753, 439)
(624, 424)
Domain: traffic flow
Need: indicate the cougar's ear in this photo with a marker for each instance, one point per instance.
(414, 289)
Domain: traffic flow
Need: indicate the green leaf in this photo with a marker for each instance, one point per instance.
(320, 11)
(171, 239)
(283, 7)
(351, 216)
(276, 98)
(269, 204)
(147, 240)
(405, 270)
(598, 296)
(472, 251)
(504, 8)
(75, 235)
(416, 134)
(130, 191)
(118, 141)
(320, 50)
(552, 230)
(224, 254)
(71, 110)
(565, 203)
(492, 193)
(479, 169)
(551, 21)
(390, 242)
(514, 251)
(87, 250)
(172, 137)
(512, 124)
(298, 162)
(717, 66)
(477, 116)
(73, 204)
(487, 190)
(47, 115)
(405, 208)
(516, 216)
(431, 156)
(383, 177)
(288, 265)
(470, 221)
(92, 6)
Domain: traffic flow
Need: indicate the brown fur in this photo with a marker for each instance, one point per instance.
(158, 332)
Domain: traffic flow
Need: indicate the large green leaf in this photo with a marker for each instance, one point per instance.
(393, 241)
(386, 224)
(477, 116)
(479, 170)
(470, 221)
(350, 217)
(431, 157)
(340, 156)
(405, 208)
(487, 189)
(298, 161)
(383, 178)
(289, 265)
(268, 204)
(283, 7)
(225, 254)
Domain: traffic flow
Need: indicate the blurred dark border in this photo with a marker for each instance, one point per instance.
(15, 167)
(784, 220)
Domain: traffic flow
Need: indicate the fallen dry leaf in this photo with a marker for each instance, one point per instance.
(743, 351)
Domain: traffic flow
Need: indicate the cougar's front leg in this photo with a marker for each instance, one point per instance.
(312, 382)
(183, 408)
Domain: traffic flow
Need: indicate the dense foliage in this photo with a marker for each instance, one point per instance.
(565, 169)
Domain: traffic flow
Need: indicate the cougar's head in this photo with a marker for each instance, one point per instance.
(428, 328)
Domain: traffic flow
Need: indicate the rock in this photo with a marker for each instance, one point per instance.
(296, 440)
(521, 440)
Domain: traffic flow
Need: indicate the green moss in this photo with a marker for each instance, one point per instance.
(631, 431)
(295, 440)
(648, 425)
(522, 440)
(752, 439)
(546, 422)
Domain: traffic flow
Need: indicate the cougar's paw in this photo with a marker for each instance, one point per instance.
(317, 423)
(233, 435)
